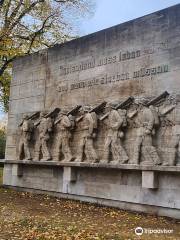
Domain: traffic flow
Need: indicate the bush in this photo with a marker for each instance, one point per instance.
(2, 143)
(1, 175)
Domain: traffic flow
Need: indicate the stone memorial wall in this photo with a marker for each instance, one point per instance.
(98, 118)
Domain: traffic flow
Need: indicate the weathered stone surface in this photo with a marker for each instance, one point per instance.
(98, 165)
(138, 58)
(133, 66)
(149, 179)
(99, 184)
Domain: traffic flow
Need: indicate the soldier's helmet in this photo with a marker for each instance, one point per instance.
(110, 105)
(141, 101)
(43, 114)
(86, 108)
(25, 116)
(64, 111)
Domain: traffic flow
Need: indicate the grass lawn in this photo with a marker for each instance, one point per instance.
(25, 216)
(38, 217)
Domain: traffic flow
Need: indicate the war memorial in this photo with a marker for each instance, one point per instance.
(97, 118)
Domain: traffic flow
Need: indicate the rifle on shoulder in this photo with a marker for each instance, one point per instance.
(72, 112)
(159, 99)
(123, 105)
(31, 117)
(96, 109)
(51, 114)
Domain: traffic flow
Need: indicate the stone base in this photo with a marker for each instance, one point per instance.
(150, 189)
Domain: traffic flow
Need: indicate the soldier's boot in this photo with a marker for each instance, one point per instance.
(124, 157)
(165, 163)
(46, 158)
(136, 156)
(79, 157)
(68, 157)
(150, 155)
(56, 155)
(56, 159)
(27, 151)
(105, 159)
(170, 157)
(92, 156)
(45, 152)
(37, 151)
(124, 161)
(136, 152)
(36, 157)
(95, 160)
(28, 157)
(119, 154)
(115, 162)
(155, 156)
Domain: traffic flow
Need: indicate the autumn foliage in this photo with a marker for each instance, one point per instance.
(27, 26)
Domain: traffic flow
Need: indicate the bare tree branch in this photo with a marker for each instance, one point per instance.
(38, 32)
(30, 25)
(6, 13)
(15, 11)
(23, 13)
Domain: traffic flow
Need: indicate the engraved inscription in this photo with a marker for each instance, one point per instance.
(150, 71)
(121, 56)
(115, 78)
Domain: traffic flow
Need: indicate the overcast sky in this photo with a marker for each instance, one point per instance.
(112, 12)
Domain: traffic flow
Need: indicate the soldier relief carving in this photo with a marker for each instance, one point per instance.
(137, 130)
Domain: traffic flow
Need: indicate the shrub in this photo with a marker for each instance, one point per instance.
(2, 143)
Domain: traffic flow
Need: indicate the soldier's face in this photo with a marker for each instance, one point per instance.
(108, 109)
(42, 115)
(81, 111)
(141, 106)
(25, 117)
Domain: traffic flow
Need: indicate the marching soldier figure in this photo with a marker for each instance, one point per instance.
(147, 121)
(113, 142)
(89, 124)
(45, 125)
(173, 147)
(26, 128)
(64, 126)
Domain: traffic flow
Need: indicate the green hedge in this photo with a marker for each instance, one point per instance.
(2, 143)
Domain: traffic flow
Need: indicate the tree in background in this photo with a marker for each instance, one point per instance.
(27, 26)
(2, 142)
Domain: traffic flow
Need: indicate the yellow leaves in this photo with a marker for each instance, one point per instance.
(8, 48)
(26, 216)
(29, 26)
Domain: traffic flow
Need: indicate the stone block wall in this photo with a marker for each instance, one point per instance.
(139, 58)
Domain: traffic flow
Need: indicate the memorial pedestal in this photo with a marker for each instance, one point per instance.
(152, 189)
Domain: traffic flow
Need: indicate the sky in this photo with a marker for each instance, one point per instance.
(108, 13)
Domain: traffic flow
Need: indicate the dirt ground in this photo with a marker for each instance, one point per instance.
(39, 217)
